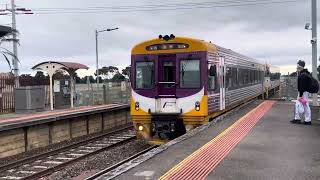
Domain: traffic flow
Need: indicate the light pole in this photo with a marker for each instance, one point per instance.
(97, 56)
(314, 44)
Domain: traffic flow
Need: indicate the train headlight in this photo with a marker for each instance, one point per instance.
(172, 127)
(197, 106)
(140, 127)
(137, 106)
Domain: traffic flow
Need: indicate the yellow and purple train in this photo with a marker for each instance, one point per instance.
(180, 83)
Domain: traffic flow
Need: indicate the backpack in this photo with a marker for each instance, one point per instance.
(314, 87)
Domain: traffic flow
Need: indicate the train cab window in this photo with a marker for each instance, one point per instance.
(144, 75)
(190, 73)
(212, 77)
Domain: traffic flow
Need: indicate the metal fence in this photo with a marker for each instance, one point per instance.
(6, 94)
(289, 88)
(86, 94)
(90, 94)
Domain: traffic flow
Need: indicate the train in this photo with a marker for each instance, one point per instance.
(180, 83)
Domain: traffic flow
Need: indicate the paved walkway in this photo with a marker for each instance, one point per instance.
(272, 148)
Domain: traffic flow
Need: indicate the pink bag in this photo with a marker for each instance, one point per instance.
(303, 100)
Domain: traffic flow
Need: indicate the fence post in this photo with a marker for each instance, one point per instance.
(104, 94)
(120, 96)
(109, 89)
(92, 95)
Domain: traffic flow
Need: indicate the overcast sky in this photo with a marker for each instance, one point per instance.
(272, 33)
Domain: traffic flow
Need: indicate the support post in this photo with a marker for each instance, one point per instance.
(314, 46)
(51, 93)
(104, 94)
(71, 89)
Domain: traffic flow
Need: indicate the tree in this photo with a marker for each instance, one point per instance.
(77, 78)
(60, 75)
(39, 75)
(40, 79)
(91, 79)
(108, 71)
(4, 52)
(126, 72)
(118, 77)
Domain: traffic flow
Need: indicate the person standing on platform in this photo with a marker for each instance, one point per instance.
(304, 83)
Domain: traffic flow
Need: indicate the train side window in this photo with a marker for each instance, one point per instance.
(251, 78)
(262, 75)
(246, 75)
(228, 77)
(212, 77)
(240, 77)
(234, 77)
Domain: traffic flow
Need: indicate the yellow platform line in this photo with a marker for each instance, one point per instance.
(177, 167)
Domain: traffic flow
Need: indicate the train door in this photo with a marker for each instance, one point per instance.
(222, 82)
(167, 76)
(166, 101)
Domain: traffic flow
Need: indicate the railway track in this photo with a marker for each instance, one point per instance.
(46, 163)
(108, 169)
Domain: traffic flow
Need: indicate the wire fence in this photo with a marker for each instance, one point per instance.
(85, 94)
(289, 88)
(91, 94)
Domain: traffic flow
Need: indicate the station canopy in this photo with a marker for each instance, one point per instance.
(56, 65)
(51, 67)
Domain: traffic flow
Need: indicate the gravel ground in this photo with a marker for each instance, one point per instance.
(100, 161)
(37, 151)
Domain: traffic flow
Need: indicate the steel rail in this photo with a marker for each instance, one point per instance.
(110, 168)
(30, 159)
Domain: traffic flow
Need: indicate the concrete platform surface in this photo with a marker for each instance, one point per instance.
(273, 149)
(14, 118)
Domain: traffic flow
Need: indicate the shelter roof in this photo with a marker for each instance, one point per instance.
(66, 65)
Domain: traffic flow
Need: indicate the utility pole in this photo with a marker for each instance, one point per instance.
(314, 46)
(15, 48)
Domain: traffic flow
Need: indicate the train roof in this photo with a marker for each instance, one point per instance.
(233, 53)
(194, 45)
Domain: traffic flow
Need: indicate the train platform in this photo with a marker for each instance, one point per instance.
(255, 142)
(11, 119)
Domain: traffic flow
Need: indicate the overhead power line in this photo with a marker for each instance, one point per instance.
(159, 7)
(153, 6)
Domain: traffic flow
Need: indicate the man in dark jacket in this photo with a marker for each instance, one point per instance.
(304, 82)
